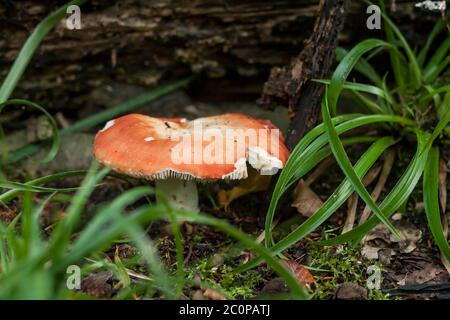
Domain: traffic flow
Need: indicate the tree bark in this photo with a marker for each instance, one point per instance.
(291, 84)
(144, 43)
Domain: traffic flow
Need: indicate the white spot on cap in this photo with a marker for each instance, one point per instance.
(148, 139)
(262, 161)
(108, 125)
(183, 120)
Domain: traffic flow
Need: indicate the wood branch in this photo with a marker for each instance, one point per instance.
(291, 84)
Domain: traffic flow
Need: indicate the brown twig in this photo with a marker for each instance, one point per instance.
(290, 85)
(324, 165)
(353, 200)
(387, 167)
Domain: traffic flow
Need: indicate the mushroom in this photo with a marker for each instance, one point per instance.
(176, 153)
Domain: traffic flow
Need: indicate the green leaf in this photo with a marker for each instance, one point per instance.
(432, 74)
(101, 117)
(346, 166)
(362, 66)
(306, 149)
(431, 202)
(11, 194)
(24, 187)
(341, 194)
(438, 27)
(391, 30)
(30, 46)
(346, 66)
(438, 61)
(394, 200)
(439, 128)
(63, 230)
(361, 87)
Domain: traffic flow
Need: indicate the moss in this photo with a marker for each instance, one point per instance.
(236, 286)
(331, 268)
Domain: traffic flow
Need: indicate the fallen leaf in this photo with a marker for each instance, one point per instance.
(273, 287)
(306, 201)
(213, 295)
(381, 238)
(427, 273)
(416, 268)
(7, 216)
(351, 291)
(303, 275)
(253, 183)
(97, 285)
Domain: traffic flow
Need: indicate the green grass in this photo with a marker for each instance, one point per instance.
(411, 100)
(35, 267)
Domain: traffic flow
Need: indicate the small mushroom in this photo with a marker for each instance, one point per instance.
(176, 153)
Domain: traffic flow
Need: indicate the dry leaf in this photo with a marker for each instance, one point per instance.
(254, 183)
(213, 295)
(352, 202)
(381, 238)
(303, 275)
(7, 216)
(387, 167)
(351, 291)
(306, 201)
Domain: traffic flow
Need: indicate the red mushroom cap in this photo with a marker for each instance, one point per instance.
(215, 147)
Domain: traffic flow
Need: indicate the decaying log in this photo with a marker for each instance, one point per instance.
(143, 42)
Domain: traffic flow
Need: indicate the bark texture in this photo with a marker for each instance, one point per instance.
(291, 84)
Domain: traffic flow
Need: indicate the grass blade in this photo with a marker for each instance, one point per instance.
(307, 148)
(338, 197)
(30, 46)
(346, 166)
(11, 194)
(346, 66)
(297, 291)
(395, 199)
(431, 202)
(362, 66)
(101, 117)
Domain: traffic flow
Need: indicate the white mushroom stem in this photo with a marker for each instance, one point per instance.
(182, 194)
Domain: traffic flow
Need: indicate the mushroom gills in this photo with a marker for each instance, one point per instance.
(182, 194)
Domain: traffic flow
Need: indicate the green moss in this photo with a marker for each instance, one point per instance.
(236, 286)
(332, 268)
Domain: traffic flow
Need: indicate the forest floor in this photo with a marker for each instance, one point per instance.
(409, 268)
